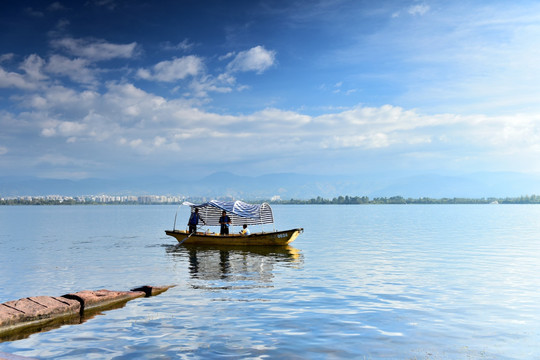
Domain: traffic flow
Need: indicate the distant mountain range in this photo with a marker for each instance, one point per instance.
(286, 186)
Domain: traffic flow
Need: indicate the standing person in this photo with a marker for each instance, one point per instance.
(194, 221)
(225, 221)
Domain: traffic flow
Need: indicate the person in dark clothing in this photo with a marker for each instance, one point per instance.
(194, 221)
(224, 221)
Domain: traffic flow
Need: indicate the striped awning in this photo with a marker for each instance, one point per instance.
(239, 212)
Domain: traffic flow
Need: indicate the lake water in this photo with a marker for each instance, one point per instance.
(362, 282)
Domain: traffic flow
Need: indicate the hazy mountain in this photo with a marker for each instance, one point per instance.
(286, 185)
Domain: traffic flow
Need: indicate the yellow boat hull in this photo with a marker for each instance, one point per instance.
(278, 238)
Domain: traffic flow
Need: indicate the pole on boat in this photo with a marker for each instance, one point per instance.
(260, 217)
(175, 215)
(181, 242)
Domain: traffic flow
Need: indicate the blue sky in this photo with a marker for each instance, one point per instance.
(117, 88)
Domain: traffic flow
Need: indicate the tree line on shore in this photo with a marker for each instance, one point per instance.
(340, 200)
(359, 200)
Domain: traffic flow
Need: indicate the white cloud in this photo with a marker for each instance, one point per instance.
(135, 143)
(95, 50)
(6, 57)
(56, 159)
(32, 78)
(71, 128)
(126, 99)
(150, 123)
(256, 59)
(159, 140)
(35, 13)
(33, 66)
(109, 4)
(184, 45)
(227, 56)
(375, 140)
(63, 100)
(48, 131)
(76, 69)
(278, 119)
(419, 9)
(443, 62)
(193, 67)
(174, 70)
(200, 87)
(56, 6)
(15, 80)
(128, 119)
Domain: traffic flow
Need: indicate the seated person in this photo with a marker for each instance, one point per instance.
(245, 231)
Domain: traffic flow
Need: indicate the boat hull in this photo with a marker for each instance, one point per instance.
(278, 238)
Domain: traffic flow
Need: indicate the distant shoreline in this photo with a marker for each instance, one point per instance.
(341, 200)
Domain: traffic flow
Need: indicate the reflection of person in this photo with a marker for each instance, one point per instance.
(194, 221)
(225, 221)
(245, 231)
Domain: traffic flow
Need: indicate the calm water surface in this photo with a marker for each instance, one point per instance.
(364, 282)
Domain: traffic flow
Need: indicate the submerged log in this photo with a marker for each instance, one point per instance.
(102, 299)
(153, 290)
(36, 312)
(20, 318)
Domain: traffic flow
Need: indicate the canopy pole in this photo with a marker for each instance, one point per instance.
(175, 215)
(260, 217)
(272, 214)
(205, 216)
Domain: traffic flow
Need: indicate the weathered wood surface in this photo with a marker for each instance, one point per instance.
(101, 299)
(153, 290)
(36, 310)
(19, 318)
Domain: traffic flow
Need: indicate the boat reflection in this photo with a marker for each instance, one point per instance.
(235, 263)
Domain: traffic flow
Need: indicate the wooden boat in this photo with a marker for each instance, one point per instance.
(240, 214)
(280, 238)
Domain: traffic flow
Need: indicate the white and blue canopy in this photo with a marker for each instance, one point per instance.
(240, 212)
